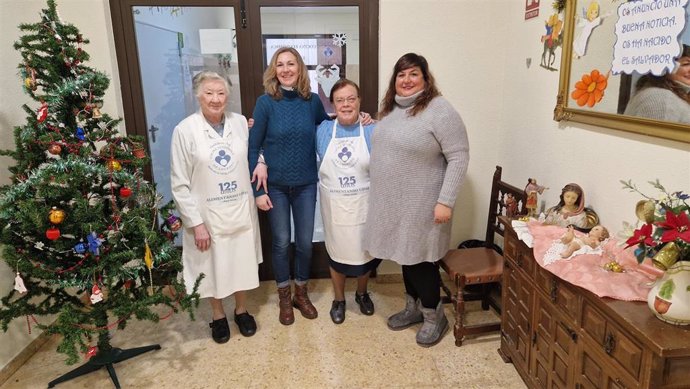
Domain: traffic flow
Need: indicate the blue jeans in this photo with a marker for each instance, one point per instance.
(301, 200)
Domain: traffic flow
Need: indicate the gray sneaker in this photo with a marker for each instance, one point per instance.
(409, 316)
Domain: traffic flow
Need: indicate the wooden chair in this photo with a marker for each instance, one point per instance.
(480, 267)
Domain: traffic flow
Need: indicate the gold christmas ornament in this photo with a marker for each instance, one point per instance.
(114, 165)
(56, 216)
(667, 256)
(645, 210)
(96, 113)
(55, 149)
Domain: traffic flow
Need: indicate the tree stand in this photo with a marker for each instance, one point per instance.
(106, 358)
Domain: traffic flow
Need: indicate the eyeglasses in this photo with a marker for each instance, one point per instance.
(349, 100)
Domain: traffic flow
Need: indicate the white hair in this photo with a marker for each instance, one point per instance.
(207, 75)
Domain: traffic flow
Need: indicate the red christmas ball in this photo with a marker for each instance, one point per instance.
(125, 192)
(52, 233)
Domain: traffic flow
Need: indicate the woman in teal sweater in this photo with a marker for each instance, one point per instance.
(285, 121)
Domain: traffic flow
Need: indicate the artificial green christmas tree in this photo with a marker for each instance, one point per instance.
(79, 222)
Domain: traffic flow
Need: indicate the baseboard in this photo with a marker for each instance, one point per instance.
(21, 358)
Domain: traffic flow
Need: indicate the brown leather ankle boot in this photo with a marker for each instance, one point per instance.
(301, 302)
(286, 315)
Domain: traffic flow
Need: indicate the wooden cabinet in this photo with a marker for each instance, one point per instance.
(559, 335)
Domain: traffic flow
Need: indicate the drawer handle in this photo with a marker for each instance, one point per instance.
(572, 334)
(554, 291)
(609, 343)
(534, 338)
(519, 260)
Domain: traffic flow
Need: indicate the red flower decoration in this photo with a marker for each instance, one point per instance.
(675, 227)
(643, 235)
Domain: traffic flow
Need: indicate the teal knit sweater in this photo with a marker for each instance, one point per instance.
(286, 131)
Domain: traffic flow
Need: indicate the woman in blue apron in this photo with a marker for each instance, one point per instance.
(210, 183)
(342, 146)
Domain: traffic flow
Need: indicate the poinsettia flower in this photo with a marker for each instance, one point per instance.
(676, 226)
(643, 235)
(590, 89)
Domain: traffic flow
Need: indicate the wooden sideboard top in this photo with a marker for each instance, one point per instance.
(664, 339)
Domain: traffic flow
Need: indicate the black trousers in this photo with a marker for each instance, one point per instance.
(423, 282)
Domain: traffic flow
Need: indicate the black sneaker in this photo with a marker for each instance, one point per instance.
(338, 311)
(366, 306)
(220, 331)
(246, 323)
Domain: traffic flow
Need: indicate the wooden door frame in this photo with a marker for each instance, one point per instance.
(248, 35)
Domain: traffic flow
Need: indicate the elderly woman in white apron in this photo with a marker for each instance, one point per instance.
(342, 146)
(212, 191)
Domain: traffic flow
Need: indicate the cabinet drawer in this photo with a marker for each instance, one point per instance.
(518, 253)
(614, 342)
(594, 373)
(560, 293)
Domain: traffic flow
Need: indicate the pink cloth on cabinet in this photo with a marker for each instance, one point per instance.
(587, 270)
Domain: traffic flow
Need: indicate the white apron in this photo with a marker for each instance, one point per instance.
(221, 188)
(344, 190)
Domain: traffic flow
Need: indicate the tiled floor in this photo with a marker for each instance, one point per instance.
(360, 353)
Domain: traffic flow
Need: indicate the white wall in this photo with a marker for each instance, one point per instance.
(477, 51)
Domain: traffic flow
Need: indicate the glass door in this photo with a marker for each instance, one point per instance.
(160, 48)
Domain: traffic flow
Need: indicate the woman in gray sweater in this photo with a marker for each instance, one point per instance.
(419, 156)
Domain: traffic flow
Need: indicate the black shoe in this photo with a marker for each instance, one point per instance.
(220, 331)
(366, 306)
(246, 323)
(338, 311)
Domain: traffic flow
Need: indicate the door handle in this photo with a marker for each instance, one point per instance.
(554, 291)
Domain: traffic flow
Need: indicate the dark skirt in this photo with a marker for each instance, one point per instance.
(354, 270)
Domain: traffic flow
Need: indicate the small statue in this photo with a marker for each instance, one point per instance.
(570, 210)
(511, 205)
(592, 240)
(533, 190)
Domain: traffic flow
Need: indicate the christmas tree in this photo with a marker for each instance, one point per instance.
(79, 221)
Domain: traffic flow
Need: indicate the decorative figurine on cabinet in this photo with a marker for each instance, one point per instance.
(533, 191)
(570, 210)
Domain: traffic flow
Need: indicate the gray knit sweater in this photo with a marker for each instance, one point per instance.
(660, 104)
(416, 161)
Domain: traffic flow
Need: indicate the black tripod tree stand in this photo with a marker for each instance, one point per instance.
(106, 357)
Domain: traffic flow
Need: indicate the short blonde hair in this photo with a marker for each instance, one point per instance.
(207, 75)
(271, 84)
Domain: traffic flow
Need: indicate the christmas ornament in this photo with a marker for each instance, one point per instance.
(94, 243)
(52, 233)
(91, 352)
(80, 133)
(114, 165)
(55, 149)
(174, 223)
(148, 260)
(125, 192)
(96, 113)
(42, 113)
(80, 248)
(138, 151)
(19, 284)
(56, 216)
(96, 294)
